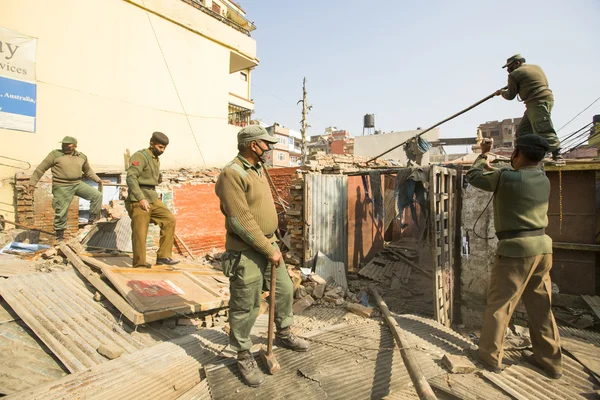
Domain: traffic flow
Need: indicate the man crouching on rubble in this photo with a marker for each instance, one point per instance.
(523, 257)
(251, 221)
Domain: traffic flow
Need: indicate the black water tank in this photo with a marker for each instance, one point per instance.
(369, 121)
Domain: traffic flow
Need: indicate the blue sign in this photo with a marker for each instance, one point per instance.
(17, 104)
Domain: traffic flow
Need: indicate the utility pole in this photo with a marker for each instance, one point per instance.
(305, 109)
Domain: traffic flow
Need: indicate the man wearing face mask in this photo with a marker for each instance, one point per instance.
(68, 165)
(144, 206)
(523, 256)
(251, 222)
(530, 83)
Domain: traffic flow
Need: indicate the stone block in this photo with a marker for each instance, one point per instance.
(338, 301)
(319, 291)
(316, 278)
(302, 304)
(361, 310)
(458, 364)
(110, 351)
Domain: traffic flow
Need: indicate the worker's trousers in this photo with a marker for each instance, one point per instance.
(140, 220)
(514, 278)
(249, 273)
(537, 120)
(62, 197)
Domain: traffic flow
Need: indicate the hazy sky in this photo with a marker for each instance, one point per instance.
(415, 63)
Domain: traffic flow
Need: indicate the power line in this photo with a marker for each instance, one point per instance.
(581, 112)
(187, 118)
(570, 136)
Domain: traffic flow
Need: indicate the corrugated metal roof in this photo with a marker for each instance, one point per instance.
(328, 229)
(6, 313)
(24, 362)
(523, 381)
(11, 265)
(344, 362)
(386, 272)
(112, 235)
(199, 392)
(574, 333)
(61, 311)
(327, 268)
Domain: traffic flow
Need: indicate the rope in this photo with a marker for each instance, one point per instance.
(173, 81)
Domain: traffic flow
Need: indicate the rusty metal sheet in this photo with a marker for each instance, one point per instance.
(365, 233)
(345, 362)
(578, 207)
(574, 271)
(328, 225)
(60, 309)
(24, 361)
(150, 290)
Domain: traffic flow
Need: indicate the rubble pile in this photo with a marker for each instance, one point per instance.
(340, 163)
(295, 222)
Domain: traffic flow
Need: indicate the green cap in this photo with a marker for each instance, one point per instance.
(532, 141)
(255, 132)
(510, 60)
(69, 140)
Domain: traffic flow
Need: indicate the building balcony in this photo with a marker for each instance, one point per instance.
(238, 116)
(234, 18)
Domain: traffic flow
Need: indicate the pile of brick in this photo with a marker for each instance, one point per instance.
(183, 175)
(340, 163)
(295, 221)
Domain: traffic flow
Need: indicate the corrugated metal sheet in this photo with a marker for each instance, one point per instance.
(345, 362)
(6, 313)
(61, 311)
(11, 265)
(574, 333)
(327, 268)
(328, 230)
(112, 235)
(523, 381)
(199, 392)
(386, 272)
(24, 362)
(594, 303)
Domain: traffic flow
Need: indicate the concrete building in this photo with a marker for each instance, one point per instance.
(503, 132)
(373, 145)
(287, 152)
(110, 72)
(341, 142)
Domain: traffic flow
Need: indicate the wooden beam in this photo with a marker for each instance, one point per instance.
(414, 370)
(576, 246)
(572, 166)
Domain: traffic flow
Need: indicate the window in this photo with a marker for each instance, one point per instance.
(293, 159)
(244, 76)
(281, 156)
(239, 116)
(282, 139)
(495, 133)
(291, 140)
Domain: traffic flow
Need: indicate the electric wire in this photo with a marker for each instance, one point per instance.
(581, 112)
(187, 118)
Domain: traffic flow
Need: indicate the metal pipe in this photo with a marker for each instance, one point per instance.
(440, 123)
(414, 370)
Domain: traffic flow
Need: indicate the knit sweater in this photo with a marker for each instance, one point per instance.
(144, 169)
(530, 83)
(248, 206)
(520, 203)
(67, 169)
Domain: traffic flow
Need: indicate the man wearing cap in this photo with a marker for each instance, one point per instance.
(67, 166)
(144, 206)
(530, 83)
(252, 250)
(523, 257)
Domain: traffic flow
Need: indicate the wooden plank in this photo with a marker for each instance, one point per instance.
(568, 300)
(202, 285)
(571, 166)
(115, 299)
(593, 302)
(178, 238)
(576, 246)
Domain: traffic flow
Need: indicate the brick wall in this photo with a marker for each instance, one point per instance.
(282, 178)
(37, 210)
(200, 223)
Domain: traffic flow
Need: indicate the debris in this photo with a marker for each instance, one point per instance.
(458, 364)
(338, 301)
(334, 292)
(331, 270)
(97, 296)
(317, 279)
(300, 292)
(319, 291)
(189, 322)
(110, 351)
(302, 304)
(51, 252)
(361, 310)
(584, 322)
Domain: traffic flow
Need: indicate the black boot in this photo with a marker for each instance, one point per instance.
(557, 157)
(285, 338)
(530, 358)
(166, 261)
(249, 369)
(60, 235)
(92, 219)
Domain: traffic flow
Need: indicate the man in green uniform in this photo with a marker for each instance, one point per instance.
(531, 84)
(251, 222)
(67, 166)
(144, 206)
(523, 257)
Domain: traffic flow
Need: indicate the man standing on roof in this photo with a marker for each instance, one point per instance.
(523, 257)
(144, 206)
(252, 250)
(68, 166)
(530, 83)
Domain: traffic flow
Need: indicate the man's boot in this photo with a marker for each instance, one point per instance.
(249, 369)
(60, 235)
(557, 157)
(92, 219)
(285, 338)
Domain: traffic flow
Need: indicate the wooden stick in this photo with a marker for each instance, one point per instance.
(414, 370)
(185, 246)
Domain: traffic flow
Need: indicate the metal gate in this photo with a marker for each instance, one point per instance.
(327, 215)
(441, 222)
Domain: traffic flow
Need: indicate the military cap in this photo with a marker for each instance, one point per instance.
(159, 138)
(69, 140)
(255, 132)
(510, 60)
(532, 141)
